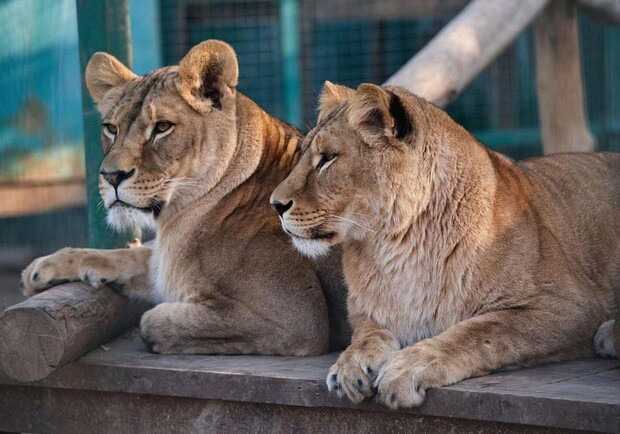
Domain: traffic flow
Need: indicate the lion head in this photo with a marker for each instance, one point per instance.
(358, 166)
(167, 136)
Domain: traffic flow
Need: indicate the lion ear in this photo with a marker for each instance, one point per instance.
(331, 97)
(104, 72)
(208, 75)
(378, 114)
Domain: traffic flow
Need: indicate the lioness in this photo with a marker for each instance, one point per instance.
(189, 155)
(458, 260)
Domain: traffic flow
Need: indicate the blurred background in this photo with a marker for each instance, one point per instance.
(286, 50)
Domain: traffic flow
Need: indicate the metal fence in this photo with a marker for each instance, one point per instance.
(286, 50)
(350, 42)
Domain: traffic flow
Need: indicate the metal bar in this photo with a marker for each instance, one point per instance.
(103, 25)
(612, 84)
(289, 43)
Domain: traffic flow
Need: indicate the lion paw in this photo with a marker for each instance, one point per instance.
(405, 376)
(67, 265)
(157, 330)
(97, 271)
(47, 271)
(354, 372)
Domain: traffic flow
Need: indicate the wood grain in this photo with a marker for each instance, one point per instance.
(56, 326)
(559, 80)
(470, 42)
(573, 395)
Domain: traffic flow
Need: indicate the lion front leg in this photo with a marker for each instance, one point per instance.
(127, 268)
(478, 346)
(357, 367)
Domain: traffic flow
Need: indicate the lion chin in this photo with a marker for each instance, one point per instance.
(124, 218)
(311, 247)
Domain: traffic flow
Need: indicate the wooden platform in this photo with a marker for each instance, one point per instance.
(124, 388)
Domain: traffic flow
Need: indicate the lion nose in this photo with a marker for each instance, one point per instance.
(280, 207)
(116, 177)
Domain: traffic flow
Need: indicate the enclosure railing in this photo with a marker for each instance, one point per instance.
(102, 26)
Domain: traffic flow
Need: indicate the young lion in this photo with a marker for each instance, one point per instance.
(189, 155)
(458, 260)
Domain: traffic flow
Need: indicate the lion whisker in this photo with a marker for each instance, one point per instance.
(353, 212)
(337, 217)
(100, 205)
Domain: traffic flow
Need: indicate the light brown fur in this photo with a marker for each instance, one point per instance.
(458, 260)
(225, 276)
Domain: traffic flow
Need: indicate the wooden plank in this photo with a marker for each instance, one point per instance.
(23, 199)
(521, 396)
(561, 104)
(31, 409)
(592, 381)
(474, 38)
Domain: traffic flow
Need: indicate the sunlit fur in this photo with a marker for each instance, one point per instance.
(227, 278)
(458, 260)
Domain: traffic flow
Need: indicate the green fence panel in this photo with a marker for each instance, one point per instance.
(103, 25)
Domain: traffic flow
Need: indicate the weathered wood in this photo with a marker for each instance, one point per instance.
(559, 81)
(442, 69)
(31, 409)
(605, 11)
(52, 328)
(573, 395)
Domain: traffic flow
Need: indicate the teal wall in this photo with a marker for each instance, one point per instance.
(41, 136)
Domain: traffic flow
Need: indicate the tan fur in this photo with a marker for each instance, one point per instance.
(225, 275)
(459, 261)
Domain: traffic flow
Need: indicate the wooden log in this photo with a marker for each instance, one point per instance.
(54, 327)
(442, 69)
(604, 11)
(559, 81)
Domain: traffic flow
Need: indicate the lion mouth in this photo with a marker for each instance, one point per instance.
(154, 207)
(323, 235)
(315, 234)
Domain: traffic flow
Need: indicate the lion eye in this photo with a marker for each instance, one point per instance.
(110, 131)
(162, 126)
(326, 159)
(162, 129)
